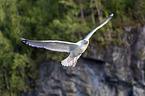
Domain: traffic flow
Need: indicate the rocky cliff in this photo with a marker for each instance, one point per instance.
(112, 71)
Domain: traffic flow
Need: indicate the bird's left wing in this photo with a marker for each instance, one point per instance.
(53, 45)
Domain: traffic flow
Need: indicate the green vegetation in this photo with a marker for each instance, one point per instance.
(68, 20)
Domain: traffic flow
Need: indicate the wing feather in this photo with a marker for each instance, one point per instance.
(53, 45)
(93, 31)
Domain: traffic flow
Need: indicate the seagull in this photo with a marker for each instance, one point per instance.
(75, 49)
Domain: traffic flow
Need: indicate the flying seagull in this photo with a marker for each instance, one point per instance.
(75, 49)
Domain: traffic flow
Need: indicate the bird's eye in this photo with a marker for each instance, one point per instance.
(85, 42)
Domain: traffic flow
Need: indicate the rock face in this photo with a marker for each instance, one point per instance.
(80, 81)
(89, 78)
(120, 71)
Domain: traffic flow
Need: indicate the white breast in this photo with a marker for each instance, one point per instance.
(79, 49)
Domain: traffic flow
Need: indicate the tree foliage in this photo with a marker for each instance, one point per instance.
(68, 20)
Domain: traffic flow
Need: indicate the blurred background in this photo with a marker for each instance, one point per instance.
(113, 64)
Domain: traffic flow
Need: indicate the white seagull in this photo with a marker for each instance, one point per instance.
(75, 49)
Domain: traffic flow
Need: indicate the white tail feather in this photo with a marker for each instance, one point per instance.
(69, 61)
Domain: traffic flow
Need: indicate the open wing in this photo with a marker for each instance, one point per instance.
(53, 45)
(93, 31)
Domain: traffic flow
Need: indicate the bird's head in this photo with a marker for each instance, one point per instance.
(85, 41)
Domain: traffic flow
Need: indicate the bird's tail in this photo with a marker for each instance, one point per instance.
(70, 61)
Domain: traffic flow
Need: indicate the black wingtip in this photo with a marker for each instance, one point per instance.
(112, 15)
(24, 40)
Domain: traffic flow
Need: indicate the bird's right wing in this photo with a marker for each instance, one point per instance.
(53, 45)
(93, 31)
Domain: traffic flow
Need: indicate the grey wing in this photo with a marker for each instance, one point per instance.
(93, 31)
(53, 45)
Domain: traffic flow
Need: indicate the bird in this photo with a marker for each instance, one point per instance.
(75, 50)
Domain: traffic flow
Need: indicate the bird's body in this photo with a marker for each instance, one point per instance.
(80, 48)
(71, 60)
(75, 49)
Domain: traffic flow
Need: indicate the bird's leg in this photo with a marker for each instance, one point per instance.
(74, 64)
(73, 61)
